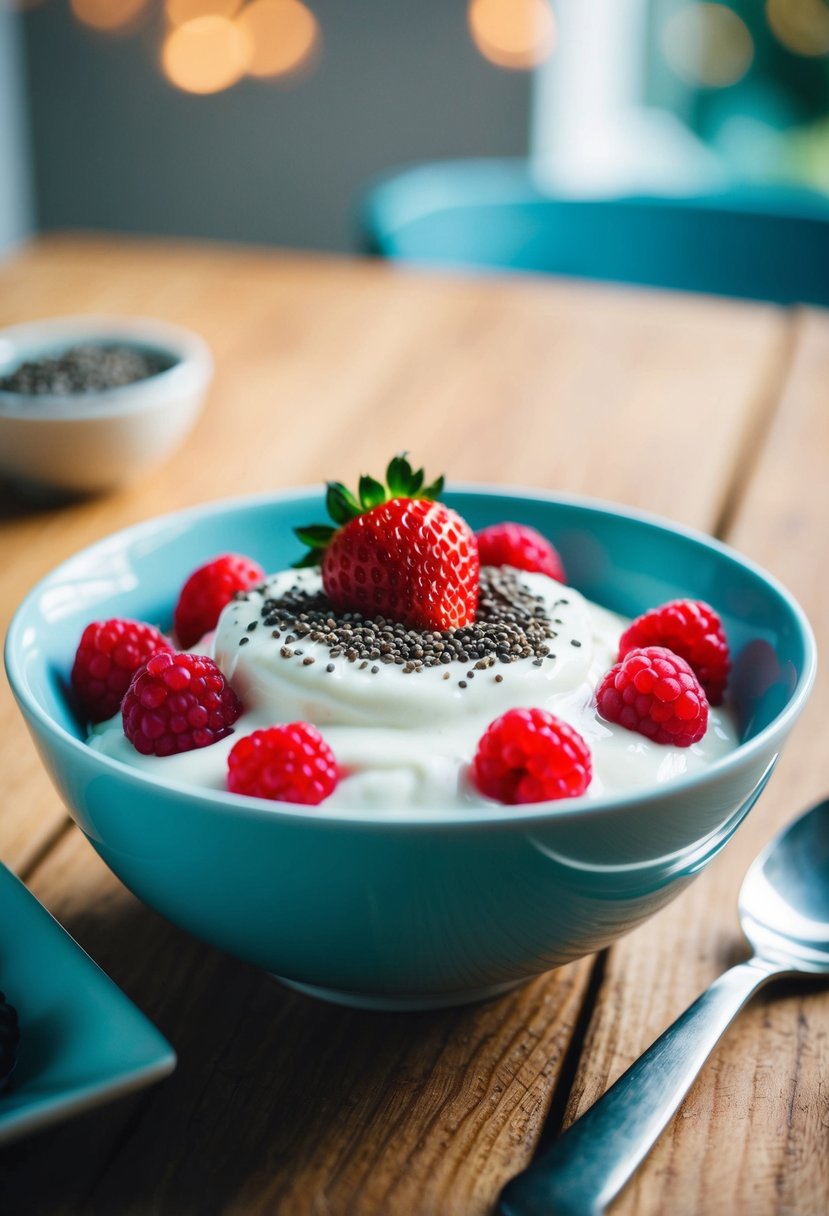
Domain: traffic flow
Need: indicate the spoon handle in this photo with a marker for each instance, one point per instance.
(592, 1161)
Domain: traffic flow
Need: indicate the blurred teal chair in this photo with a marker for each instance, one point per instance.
(759, 244)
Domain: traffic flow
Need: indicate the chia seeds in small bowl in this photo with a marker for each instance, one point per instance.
(88, 402)
(84, 369)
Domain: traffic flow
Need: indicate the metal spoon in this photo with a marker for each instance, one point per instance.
(784, 912)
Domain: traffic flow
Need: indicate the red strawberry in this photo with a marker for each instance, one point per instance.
(108, 656)
(206, 592)
(396, 553)
(692, 630)
(520, 546)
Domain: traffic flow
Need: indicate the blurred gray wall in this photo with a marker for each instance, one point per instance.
(16, 205)
(117, 147)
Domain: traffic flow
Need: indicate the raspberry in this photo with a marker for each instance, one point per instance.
(108, 656)
(655, 692)
(520, 546)
(178, 702)
(290, 763)
(528, 755)
(206, 592)
(690, 629)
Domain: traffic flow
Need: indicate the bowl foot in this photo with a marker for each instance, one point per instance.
(403, 1003)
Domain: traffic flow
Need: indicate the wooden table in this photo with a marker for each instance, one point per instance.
(711, 412)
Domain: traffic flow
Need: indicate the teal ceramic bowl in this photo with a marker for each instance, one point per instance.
(416, 908)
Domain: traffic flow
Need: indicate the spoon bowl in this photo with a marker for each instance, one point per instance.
(784, 913)
(784, 899)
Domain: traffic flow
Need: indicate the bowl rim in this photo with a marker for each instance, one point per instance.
(472, 815)
(192, 368)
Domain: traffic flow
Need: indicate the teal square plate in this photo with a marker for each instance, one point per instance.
(82, 1041)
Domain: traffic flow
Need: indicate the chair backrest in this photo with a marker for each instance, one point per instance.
(769, 245)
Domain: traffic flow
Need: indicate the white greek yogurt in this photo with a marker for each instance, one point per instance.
(406, 738)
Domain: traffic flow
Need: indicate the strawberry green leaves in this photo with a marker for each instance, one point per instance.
(340, 503)
(402, 481)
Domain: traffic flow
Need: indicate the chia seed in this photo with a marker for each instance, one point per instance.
(511, 624)
(81, 370)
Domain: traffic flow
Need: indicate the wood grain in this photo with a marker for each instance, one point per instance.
(282, 1103)
(752, 1135)
(324, 367)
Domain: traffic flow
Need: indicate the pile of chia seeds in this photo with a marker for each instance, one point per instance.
(511, 624)
(81, 370)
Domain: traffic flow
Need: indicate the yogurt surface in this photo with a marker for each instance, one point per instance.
(404, 735)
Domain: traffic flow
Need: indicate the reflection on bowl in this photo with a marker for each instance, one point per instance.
(413, 908)
(89, 442)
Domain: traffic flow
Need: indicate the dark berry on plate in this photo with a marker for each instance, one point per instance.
(9, 1039)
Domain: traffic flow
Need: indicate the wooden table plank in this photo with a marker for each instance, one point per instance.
(280, 1103)
(325, 367)
(283, 1103)
(752, 1135)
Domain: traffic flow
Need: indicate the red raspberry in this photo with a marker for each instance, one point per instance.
(520, 546)
(206, 592)
(290, 763)
(655, 692)
(690, 629)
(108, 656)
(528, 755)
(176, 703)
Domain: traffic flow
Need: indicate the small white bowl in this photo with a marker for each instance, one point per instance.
(89, 442)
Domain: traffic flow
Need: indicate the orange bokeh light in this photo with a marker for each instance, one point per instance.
(708, 44)
(513, 33)
(801, 25)
(107, 15)
(205, 55)
(181, 11)
(282, 34)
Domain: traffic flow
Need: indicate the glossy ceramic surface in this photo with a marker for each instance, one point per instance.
(84, 443)
(82, 1042)
(416, 908)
